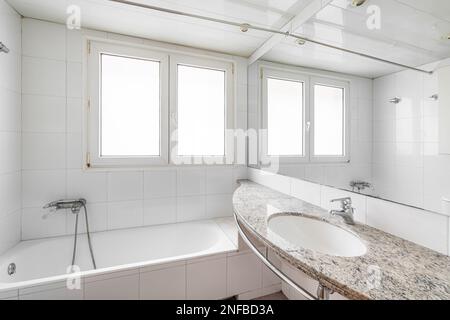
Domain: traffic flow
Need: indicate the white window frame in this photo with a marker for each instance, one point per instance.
(309, 80)
(228, 68)
(346, 120)
(93, 127)
(288, 76)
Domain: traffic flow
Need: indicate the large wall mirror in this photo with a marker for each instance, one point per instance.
(342, 120)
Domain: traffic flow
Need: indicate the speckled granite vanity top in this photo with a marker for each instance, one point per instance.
(408, 271)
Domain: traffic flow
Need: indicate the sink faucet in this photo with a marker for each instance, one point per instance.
(346, 212)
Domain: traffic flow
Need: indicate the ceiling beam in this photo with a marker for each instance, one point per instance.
(296, 22)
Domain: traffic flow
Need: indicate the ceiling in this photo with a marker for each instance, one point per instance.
(412, 31)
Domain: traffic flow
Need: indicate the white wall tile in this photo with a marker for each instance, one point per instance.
(160, 211)
(74, 80)
(10, 152)
(219, 180)
(10, 128)
(11, 110)
(92, 186)
(74, 45)
(46, 72)
(164, 284)
(160, 184)
(277, 182)
(43, 39)
(436, 180)
(128, 214)
(74, 156)
(125, 186)
(408, 131)
(191, 181)
(207, 280)
(191, 208)
(244, 273)
(10, 193)
(10, 230)
(74, 115)
(43, 151)
(240, 173)
(42, 187)
(34, 226)
(422, 227)
(43, 114)
(219, 206)
(55, 294)
(123, 288)
(44, 77)
(307, 191)
(111, 275)
(97, 217)
(11, 66)
(11, 27)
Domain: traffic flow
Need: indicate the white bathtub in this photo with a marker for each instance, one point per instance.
(45, 261)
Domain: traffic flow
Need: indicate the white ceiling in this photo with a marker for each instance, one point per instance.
(411, 31)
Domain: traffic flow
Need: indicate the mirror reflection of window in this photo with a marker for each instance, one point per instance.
(285, 117)
(329, 116)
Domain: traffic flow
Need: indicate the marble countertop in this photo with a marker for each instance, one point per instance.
(406, 270)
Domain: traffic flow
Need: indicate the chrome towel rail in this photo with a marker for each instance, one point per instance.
(246, 26)
(323, 292)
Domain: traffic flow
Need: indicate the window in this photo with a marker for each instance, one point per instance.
(128, 98)
(284, 117)
(130, 121)
(306, 118)
(329, 114)
(129, 107)
(201, 108)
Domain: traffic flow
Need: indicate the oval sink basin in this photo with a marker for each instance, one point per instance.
(317, 235)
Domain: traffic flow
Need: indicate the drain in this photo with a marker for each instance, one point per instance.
(12, 269)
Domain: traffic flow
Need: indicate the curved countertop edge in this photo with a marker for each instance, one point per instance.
(321, 278)
(291, 254)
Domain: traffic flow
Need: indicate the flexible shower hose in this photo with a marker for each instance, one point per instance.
(88, 236)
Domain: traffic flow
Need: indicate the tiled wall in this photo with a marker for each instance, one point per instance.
(361, 130)
(407, 167)
(52, 149)
(426, 228)
(10, 123)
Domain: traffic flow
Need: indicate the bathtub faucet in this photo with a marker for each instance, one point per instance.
(74, 205)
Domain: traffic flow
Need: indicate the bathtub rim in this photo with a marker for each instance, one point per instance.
(7, 287)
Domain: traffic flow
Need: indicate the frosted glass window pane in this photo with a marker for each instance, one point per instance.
(130, 107)
(285, 117)
(329, 112)
(201, 111)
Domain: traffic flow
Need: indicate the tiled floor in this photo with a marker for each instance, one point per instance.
(275, 296)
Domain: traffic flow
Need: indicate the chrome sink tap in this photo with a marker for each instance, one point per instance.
(347, 211)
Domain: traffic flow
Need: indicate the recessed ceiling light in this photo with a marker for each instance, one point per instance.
(358, 3)
(300, 42)
(244, 27)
